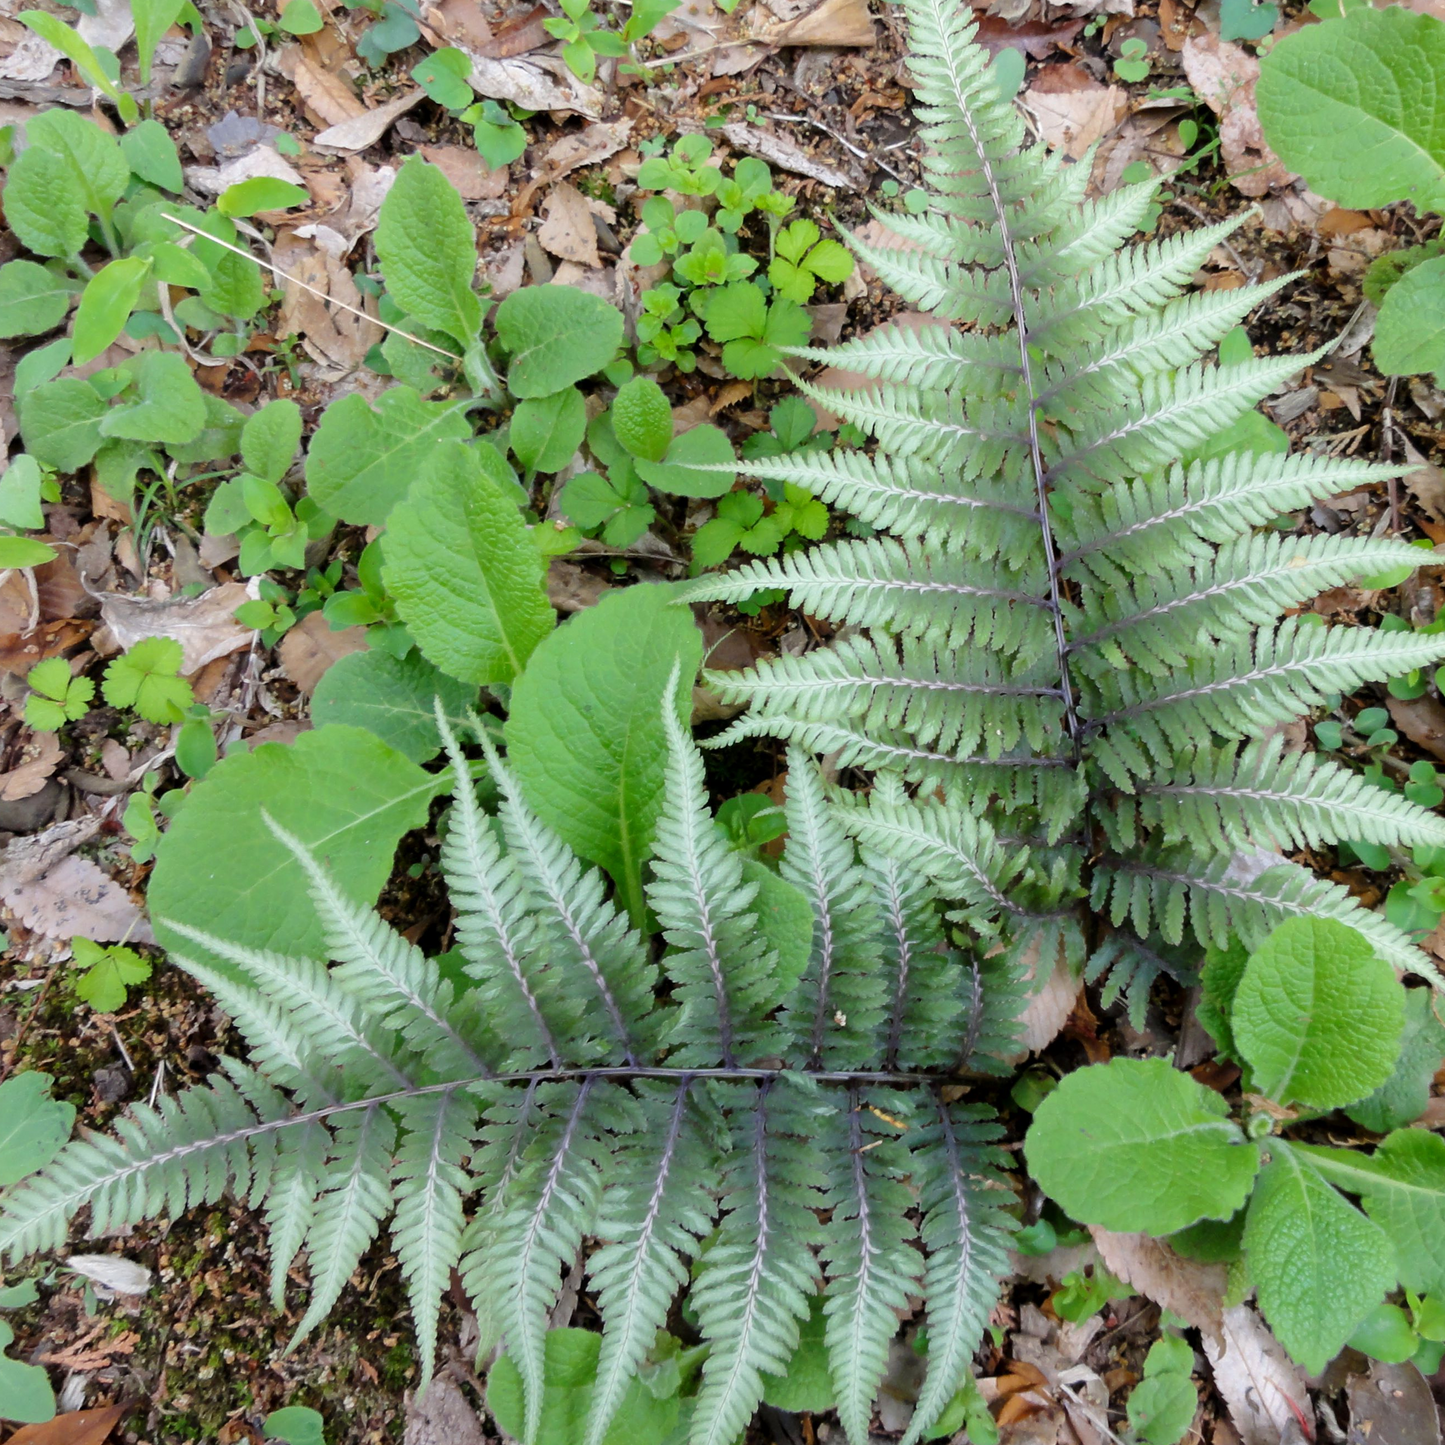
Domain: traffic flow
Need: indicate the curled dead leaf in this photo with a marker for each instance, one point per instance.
(205, 626)
(1263, 1388)
(1193, 1290)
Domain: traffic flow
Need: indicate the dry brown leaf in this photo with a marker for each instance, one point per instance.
(1072, 121)
(518, 37)
(1224, 76)
(32, 60)
(568, 231)
(442, 1416)
(778, 150)
(76, 899)
(459, 23)
(39, 759)
(833, 23)
(310, 647)
(1194, 1291)
(367, 128)
(75, 1427)
(20, 651)
(1264, 1390)
(473, 178)
(1426, 483)
(205, 626)
(1422, 720)
(538, 82)
(1392, 1405)
(321, 89)
(1036, 38)
(1050, 1004)
(336, 338)
(263, 161)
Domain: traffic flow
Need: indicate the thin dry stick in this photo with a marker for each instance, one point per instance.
(296, 281)
(870, 157)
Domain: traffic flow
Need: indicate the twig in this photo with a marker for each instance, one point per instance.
(695, 54)
(1387, 445)
(868, 157)
(296, 281)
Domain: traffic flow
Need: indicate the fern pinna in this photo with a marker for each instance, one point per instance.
(1068, 633)
(573, 1088)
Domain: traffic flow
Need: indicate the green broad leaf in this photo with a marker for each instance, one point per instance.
(42, 206)
(295, 1424)
(1135, 1145)
(171, 407)
(261, 193)
(556, 336)
(93, 158)
(237, 288)
(1161, 1408)
(467, 580)
(341, 790)
(270, 437)
(808, 1383)
(1386, 1334)
(362, 459)
(785, 919)
(219, 438)
(1402, 1098)
(699, 463)
(642, 419)
(1319, 1265)
(20, 494)
(152, 19)
(145, 678)
(25, 1394)
(736, 310)
(301, 17)
(173, 265)
(60, 422)
(17, 1296)
(32, 300)
(24, 552)
(585, 735)
(1318, 1016)
(428, 251)
(105, 305)
(151, 155)
(109, 971)
(1410, 329)
(33, 1126)
(43, 364)
(547, 430)
(392, 697)
(570, 1360)
(1402, 1188)
(443, 75)
(830, 261)
(1343, 104)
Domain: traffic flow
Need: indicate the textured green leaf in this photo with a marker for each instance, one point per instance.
(1136, 1145)
(31, 299)
(785, 919)
(105, 306)
(41, 204)
(547, 430)
(236, 286)
(1318, 1016)
(92, 157)
(557, 335)
(808, 1383)
(33, 1126)
(60, 422)
(1410, 329)
(341, 790)
(1353, 106)
(642, 419)
(270, 437)
(682, 472)
(261, 193)
(171, 407)
(1319, 1265)
(362, 460)
(428, 251)
(151, 154)
(392, 697)
(1402, 1188)
(1402, 1098)
(25, 1394)
(585, 735)
(466, 577)
(152, 19)
(20, 494)
(1161, 1408)
(145, 678)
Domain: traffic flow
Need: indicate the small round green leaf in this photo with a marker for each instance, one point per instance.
(1135, 1145)
(1317, 1015)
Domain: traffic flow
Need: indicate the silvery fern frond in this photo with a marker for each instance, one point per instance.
(690, 1102)
(1068, 626)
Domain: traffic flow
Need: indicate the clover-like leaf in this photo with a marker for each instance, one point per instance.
(145, 678)
(108, 972)
(56, 697)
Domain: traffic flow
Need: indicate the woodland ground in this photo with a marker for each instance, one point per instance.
(198, 1357)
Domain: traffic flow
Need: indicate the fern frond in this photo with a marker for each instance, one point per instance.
(657, 1206)
(754, 1283)
(1129, 966)
(838, 1004)
(291, 1199)
(871, 1263)
(932, 357)
(966, 1232)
